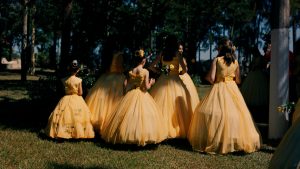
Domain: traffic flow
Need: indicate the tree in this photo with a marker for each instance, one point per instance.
(24, 42)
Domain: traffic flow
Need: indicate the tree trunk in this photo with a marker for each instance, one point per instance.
(279, 73)
(52, 52)
(24, 42)
(66, 37)
(32, 54)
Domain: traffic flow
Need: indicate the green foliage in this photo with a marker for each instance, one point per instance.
(140, 23)
(196, 79)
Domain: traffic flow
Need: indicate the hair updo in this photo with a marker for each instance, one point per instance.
(74, 66)
(139, 56)
(228, 53)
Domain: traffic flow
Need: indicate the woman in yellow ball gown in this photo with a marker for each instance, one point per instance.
(170, 93)
(103, 97)
(222, 122)
(137, 118)
(71, 116)
(188, 82)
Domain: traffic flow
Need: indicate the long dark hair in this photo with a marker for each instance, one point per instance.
(171, 48)
(228, 53)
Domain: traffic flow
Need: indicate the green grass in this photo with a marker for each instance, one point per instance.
(27, 149)
(25, 108)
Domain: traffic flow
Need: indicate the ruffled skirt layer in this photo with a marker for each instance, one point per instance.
(103, 98)
(173, 97)
(136, 120)
(192, 90)
(222, 122)
(70, 119)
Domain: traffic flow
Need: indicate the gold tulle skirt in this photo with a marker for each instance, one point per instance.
(172, 97)
(103, 97)
(222, 122)
(136, 120)
(193, 96)
(70, 119)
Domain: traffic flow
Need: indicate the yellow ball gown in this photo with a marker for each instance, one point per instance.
(287, 154)
(137, 118)
(222, 122)
(71, 116)
(173, 97)
(193, 96)
(106, 93)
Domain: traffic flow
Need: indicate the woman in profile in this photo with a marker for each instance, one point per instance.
(188, 82)
(222, 122)
(108, 89)
(137, 118)
(170, 93)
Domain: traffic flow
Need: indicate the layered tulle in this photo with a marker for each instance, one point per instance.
(103, 98)
(287, 154)
(192, 90)
(136, 120)
(222, 122)
(70, 119)
(174, 99)
(255, 89)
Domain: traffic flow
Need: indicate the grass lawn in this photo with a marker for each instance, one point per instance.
(24, 112)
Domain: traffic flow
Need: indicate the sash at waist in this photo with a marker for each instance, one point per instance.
(226, 79)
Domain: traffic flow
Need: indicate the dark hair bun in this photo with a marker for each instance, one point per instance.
(75, 64)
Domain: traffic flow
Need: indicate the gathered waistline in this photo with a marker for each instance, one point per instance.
(226, 79)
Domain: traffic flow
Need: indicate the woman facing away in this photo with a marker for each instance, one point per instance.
(137, 118)
(108, 89)
(170, 93)
(222, 122)
(71, 116)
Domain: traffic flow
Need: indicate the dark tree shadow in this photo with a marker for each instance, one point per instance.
(123, 147)
(69, 166)
(30, 112)
(178, 143)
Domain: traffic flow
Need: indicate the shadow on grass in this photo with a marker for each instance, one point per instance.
(124, 147)
(68, 166)
(26, 105)
(178, 143)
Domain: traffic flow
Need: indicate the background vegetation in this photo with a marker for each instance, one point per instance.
(52, 32)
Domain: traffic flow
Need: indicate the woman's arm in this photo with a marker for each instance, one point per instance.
(211, 76)
(80, 89)
(148, 83)
(182, 64)
(152, 65)
(237, 75)
(184, 61)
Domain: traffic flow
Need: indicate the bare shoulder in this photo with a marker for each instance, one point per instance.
(145, 71)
